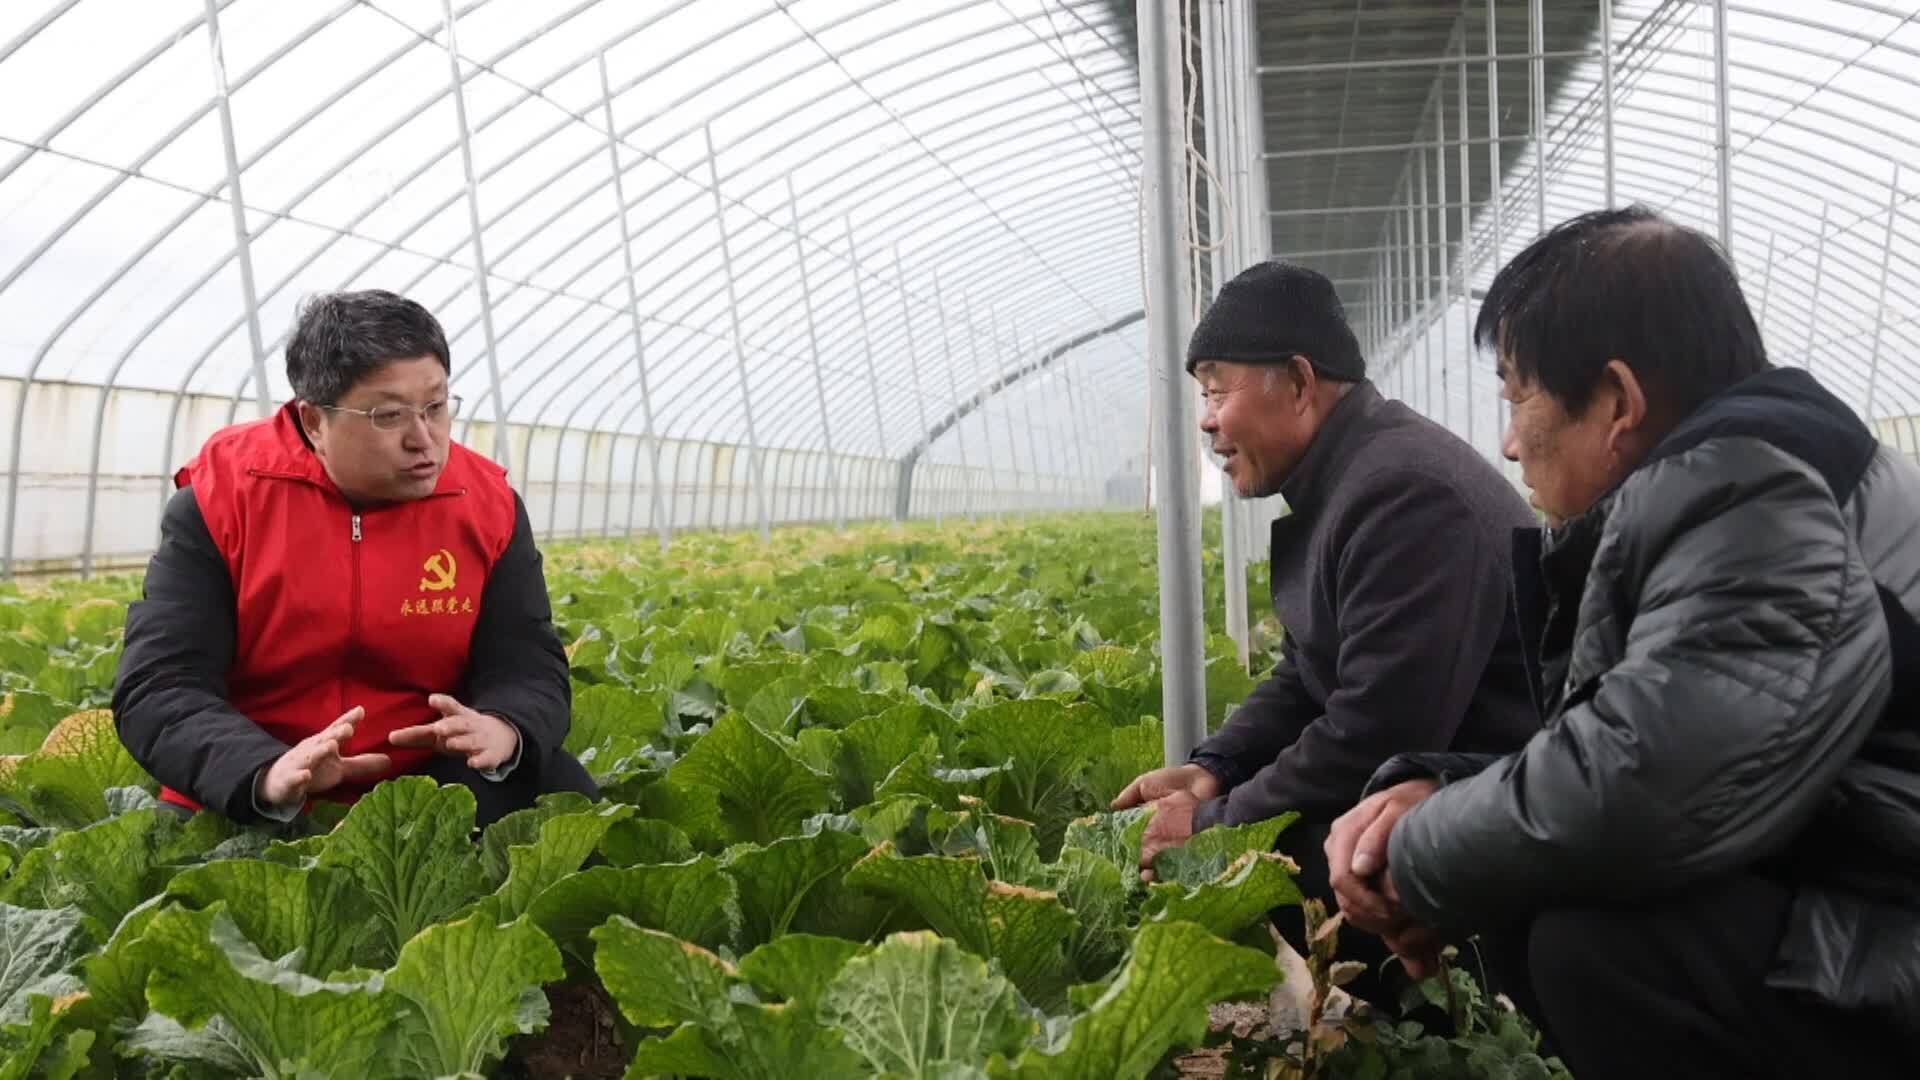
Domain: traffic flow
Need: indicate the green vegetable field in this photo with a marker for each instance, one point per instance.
(855, 826)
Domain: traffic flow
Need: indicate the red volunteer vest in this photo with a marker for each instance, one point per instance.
(338, 607)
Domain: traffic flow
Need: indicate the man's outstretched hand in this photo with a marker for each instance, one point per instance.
(487, 742)
(1175, 792)
(315, 765)
(1160, 783)
(1170, 826)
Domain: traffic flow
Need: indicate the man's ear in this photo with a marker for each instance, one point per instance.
(1627, 427)
(310, 419)
(1304, 380)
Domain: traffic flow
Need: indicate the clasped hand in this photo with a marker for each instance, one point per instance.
(1356, 850)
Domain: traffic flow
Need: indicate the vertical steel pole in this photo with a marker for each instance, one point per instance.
(1411, 240)
(580, 499)
(242, 242)
(1377, 315)
(1466, 233)
(662, 527)
(1252, 120)
(1184, 698)
(1722, 128)
(975, 369)
(1766, 287)
(502, 445)
(819, 374)
(1026, 403)
(1396, 255)
(1050, 434)
(1227, 234)
(1495, 179)
(1446, 278)
(1537, 103)
(606, 502)
(1083, 446)
(866, 344)
(1057, 468)
(1880, 307)
(913, 365)
(1425, 280)
(953, 388)
(1606, 94)
(754, 465)
(1819, 271)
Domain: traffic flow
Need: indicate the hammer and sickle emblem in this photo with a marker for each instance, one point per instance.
(440, 569)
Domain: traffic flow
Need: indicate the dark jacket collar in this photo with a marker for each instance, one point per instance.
(1788, 409)
(1783, 407)
(1332, 449)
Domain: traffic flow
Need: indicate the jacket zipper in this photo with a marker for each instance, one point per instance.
(353, 616)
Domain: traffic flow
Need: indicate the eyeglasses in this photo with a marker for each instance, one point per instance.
(395, 417)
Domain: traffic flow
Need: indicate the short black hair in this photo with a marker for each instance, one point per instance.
(1629, 285)
(340, 338)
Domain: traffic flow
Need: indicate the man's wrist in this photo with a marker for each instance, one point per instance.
(266, 809)
(501, 771)
(1217, 767)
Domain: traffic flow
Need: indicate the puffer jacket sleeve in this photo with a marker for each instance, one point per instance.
(1443, 767)
(1749, 662)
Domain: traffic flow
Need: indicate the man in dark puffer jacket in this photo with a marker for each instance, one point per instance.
(1708, 862)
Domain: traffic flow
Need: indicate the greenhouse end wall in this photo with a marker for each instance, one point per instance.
(575, 483)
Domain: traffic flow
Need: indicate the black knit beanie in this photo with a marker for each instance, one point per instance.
(1275, 310)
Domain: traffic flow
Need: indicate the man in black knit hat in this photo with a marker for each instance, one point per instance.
(1391, 575)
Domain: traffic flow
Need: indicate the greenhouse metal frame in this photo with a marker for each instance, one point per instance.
(711, 266)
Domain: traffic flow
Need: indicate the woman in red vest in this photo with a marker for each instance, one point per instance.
(343, 594)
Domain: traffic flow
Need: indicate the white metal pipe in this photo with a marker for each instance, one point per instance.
(913, 367)
(1722, 127)
(974, 372)
(662, 527)
(1880, 305)
(1466, 238)
(243, 248)
(1182, 631)
(819, 376)
(1446, 278)
(754, 464)
(1227, 226)
(866, 341)
(1766, 285)
(1819, 272)
(502, 449)
(1606, 95)
(1377, 148)
(967, 497)
(1495, 179)
(1537, 104)
(1339, 66)
(1424, 280)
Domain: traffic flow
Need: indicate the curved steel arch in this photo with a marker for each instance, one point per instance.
(691, 228)
(1776, 209)
(1007, 185)
(667, 357)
